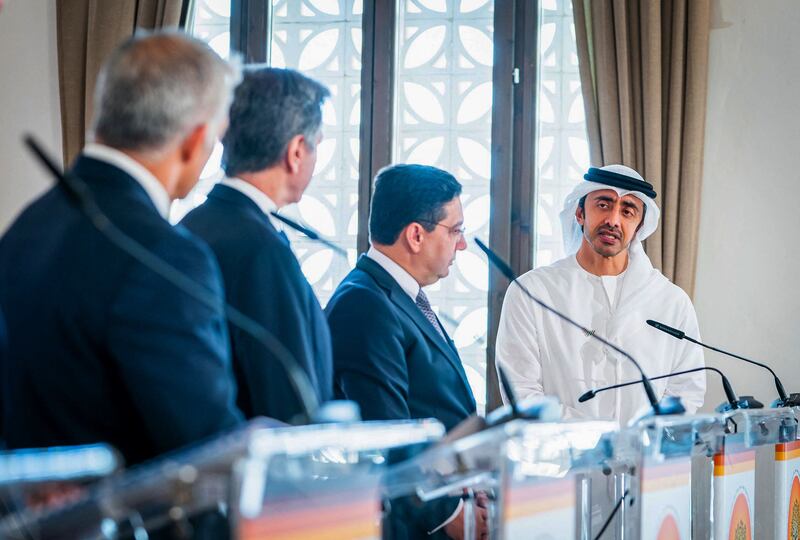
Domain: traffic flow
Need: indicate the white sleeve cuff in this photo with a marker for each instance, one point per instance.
(451, 518)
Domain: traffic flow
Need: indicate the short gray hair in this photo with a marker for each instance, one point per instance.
(156, 87)
(270, 107)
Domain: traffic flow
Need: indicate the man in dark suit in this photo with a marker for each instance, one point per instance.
(269, 157)
(391, 354)
(3, 345)
(100, 347)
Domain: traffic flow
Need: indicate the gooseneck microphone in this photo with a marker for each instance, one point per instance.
(783, 399)
(506, 270)
(509, 391)
(311, 233)
(730, 395)
(81, 195)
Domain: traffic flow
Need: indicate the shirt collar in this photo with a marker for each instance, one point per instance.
(261, 199)
(403, 278)
(154, 189)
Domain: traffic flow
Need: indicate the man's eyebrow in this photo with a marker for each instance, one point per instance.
(604, 198)
(630, 204)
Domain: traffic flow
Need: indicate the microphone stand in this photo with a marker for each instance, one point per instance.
(314, 235)
(733, 402)
(783, 400)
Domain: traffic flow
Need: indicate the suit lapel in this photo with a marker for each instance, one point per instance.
(399, 297)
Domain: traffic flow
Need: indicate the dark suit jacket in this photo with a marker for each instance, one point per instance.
(263, 280)
(390, 360)
(3, 345)
(100, 347)
(387, 355)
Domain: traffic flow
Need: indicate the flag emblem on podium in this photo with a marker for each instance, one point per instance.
(669, 529)
(741, 528)
(794, 510)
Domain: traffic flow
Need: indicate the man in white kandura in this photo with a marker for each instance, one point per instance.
(608, 284)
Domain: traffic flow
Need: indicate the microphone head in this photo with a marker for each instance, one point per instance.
(507, 388)
(674, 332)
(749, 402)
(586, 396)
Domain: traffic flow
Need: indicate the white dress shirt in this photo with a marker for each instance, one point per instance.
(154, 189)
(400, 275)
(261, 199)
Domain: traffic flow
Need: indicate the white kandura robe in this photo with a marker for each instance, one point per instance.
(544, 355)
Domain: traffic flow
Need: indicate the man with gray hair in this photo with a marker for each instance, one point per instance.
(100, 347)
(269, 157)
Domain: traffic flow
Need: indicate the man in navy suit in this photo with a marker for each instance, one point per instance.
(391, 354)
(100, 347)
(3, 345)
(269, 157)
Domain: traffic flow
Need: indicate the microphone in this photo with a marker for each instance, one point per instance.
(792, 400)
(733, 401)
(81, 195)
(509, 390)
(311, 233)
(506, 270)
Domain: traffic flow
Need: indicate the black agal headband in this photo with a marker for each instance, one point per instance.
(619, 180)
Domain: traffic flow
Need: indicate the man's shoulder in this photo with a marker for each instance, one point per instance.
(232, 223)
(241, 234)
(651, 280)
(49, 208)
(670, 291)
(556, 270)
(358, 290)
(358, 283)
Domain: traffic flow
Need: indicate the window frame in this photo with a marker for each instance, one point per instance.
(512, 185)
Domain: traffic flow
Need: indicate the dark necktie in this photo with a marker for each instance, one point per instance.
(425, 307)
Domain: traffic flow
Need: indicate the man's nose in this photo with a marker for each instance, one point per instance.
(614, 217)
(461, 245)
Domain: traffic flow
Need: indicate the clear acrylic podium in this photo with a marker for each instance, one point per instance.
(321, 481)
(753, 475)
(537, 476)
(720, 476)
(672, 483)
(255, 482)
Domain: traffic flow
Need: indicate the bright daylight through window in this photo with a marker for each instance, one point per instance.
(442, 117)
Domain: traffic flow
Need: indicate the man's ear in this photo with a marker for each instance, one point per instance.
(193, 143)
(414, 236)
(294, 153)
(579, 215)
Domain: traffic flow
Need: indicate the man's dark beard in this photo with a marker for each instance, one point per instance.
(614, 231)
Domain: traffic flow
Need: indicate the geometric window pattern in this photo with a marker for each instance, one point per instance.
(443, 98)
(443, 111)
(322, 39)
(563, 150)
(209, 22)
